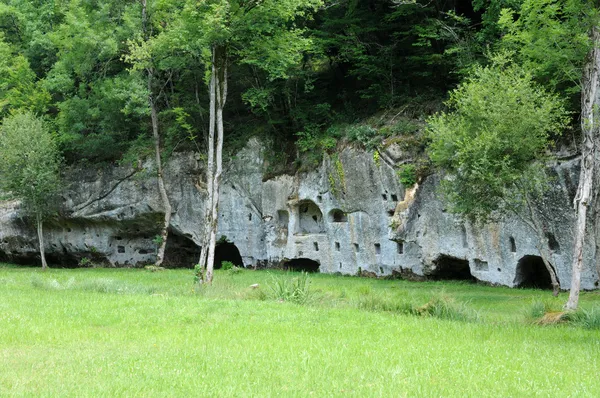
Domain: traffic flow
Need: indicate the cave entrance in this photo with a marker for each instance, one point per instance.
(180, 252)
(451, 268)
(532, 273)
(302, 264)
(227, 251)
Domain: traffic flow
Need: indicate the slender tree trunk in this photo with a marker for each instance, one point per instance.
(210, 171)
(40, 234)
(590, 102)
(160, 255)
(220, 57)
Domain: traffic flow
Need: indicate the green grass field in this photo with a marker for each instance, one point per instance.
(123, 332)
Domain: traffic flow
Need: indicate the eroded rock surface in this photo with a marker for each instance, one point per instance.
(350, 216)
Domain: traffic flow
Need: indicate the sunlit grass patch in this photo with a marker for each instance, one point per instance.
(111, 332)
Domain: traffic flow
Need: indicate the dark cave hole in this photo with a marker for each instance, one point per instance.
(532, 273)
(452, 268)
(180, 252)
(302, 264)
(337, 215)
(513, 245)
(227, 251)
(552, 242)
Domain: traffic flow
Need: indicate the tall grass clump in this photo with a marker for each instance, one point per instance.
(545, 313)
(444, 307)
(295, 290)
(51, 284)
(384, 303)
(587, 319)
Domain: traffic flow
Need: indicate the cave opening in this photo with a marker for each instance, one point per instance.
(532, 273)
(302, 264)
(180, 252)
(451, 268)
(310, 218)
(227, 251)
(337, 215)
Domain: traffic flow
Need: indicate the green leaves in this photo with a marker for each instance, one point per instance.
(19, 88)
(499, 125)
(29, 162)
(550, 39)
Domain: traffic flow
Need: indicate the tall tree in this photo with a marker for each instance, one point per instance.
(495, 161)
(262, 34)
(552, 39)
(150, 75)
(30, 167)
(589, 179)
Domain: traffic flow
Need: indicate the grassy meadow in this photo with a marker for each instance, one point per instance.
(126, 332)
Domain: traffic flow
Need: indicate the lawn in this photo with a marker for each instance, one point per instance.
(124, 332)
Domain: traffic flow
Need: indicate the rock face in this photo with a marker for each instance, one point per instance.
(350, 216)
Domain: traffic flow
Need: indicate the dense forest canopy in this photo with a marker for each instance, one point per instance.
(71, 61)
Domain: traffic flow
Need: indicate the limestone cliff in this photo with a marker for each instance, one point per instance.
(351, 215)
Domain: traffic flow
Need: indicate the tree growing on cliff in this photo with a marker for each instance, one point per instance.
(553, 39)
(493, 145)
(143, 57)
(260, 33)
(30, 167)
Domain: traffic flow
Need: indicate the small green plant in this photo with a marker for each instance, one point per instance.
(235, 270)
(85, 262)
(405, 126)
(227, 265)
(407, 174)
(365, 135)
(296, 290)
(198, 274)
(157, 240)
(377, 158)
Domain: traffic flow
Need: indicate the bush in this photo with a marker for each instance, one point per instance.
(407, 174)
(227, 265)
(365, 135)
(495, 138)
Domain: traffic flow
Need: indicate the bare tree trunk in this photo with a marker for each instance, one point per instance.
(590, 101)
(221, 94)
(40, 234)
(160, 255)
(210, 170)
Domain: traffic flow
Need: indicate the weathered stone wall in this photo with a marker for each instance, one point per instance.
(349, 216)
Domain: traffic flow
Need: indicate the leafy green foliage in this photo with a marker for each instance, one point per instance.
(499, 125)
(550, 39)
(19, 88)
(407, 173)
(29, 163)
